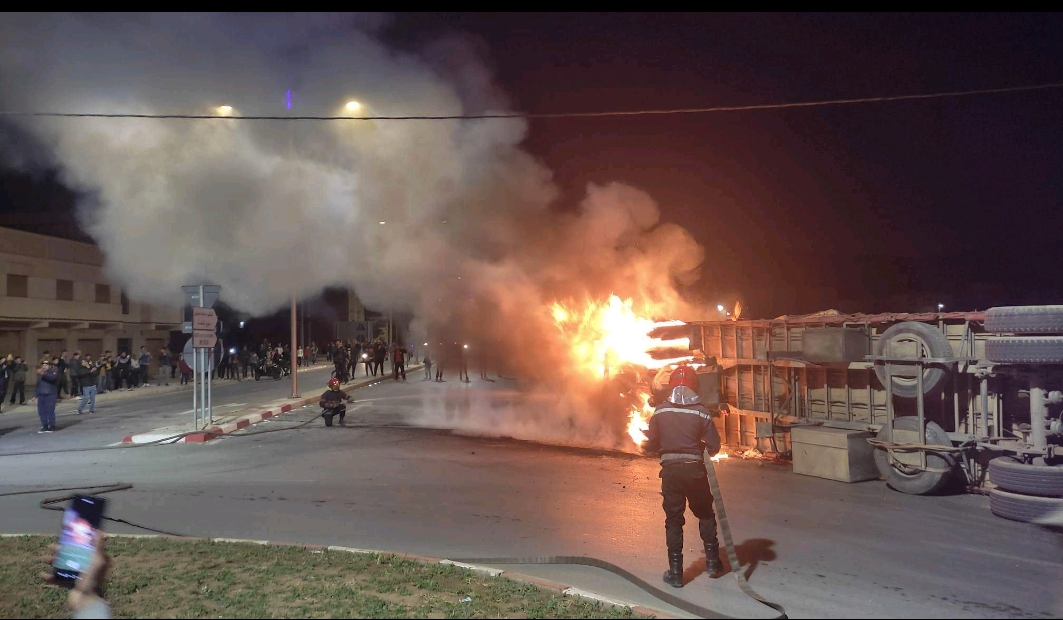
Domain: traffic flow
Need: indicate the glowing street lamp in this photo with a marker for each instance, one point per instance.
(941, 307)
(353, 106)
(225, 110)
(382, 223)
(719, 307)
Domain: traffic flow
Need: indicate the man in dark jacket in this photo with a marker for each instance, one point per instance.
(5, 376)
(681, 430)
(18, 380)
(47, 394)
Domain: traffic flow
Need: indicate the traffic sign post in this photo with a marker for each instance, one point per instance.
(198, 349)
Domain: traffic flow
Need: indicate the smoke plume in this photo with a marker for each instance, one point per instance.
(449, 220)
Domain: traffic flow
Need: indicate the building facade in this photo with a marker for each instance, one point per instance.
(54, 296)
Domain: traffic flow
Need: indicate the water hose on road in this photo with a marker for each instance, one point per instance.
(49, 503)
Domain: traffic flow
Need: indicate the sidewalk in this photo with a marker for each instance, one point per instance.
(70, 403)
(233, 422)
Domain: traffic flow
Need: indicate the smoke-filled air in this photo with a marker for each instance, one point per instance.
(449, 220)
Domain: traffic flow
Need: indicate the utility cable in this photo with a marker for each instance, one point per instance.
(556, 115)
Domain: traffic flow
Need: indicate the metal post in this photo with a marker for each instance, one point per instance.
(919, 403)
(292, 364)
(985, 406)
(1038, 411)
(203, 385)
(195, 395)
(208, 416)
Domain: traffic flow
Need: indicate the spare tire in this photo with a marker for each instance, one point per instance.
(1025, 350)
(1025, 508)
(919, 483)
(909, 335)
(1018, 477)
(1024, 320)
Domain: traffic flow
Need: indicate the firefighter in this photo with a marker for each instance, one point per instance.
(680, 431)
(332, 401)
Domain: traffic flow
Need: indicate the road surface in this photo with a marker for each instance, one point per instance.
(821, 548)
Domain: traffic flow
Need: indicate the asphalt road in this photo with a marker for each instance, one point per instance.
(821, 548)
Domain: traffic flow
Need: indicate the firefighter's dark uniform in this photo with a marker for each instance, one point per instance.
(680, 434)
(332, 403)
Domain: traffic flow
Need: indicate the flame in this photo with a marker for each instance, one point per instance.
(606, 336)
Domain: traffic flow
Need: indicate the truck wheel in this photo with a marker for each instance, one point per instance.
(907, 339)
(1025, 508)
(1017, 477)
(1025, 350)
(1024, 320)
(923, 482)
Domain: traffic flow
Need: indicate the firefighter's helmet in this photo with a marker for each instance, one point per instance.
(683, 376)
(334, 384)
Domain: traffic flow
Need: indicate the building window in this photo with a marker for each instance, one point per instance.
(17, 286)
(103, 294)
(125, 303)
(64, 290)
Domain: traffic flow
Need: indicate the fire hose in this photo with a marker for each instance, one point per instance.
(50, 503)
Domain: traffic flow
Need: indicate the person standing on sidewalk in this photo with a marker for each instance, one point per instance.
(5, 377)
(47, 394)
(19, 370)
(164, 366)
(398, 365)
(427, 365)
(64, 381)
(145, 364)
(84, 373)
(75, 382)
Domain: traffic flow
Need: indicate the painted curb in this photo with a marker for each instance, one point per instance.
(243, 421)
(551, 586)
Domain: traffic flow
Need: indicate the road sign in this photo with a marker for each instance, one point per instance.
(210, 295)
(186, 327)
(190, 355)
(204, 339)
(204, 319)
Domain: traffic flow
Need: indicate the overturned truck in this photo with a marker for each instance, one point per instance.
(920, 400)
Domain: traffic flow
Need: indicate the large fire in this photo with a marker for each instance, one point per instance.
(608, 336)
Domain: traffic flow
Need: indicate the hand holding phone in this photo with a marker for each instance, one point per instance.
(79, 540)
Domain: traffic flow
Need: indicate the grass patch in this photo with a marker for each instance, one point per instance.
(168, 578)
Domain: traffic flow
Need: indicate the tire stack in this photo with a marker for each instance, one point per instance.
(1028, 492)
(1025, 492)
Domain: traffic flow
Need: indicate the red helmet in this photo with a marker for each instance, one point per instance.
(685, 376)
(334, 383)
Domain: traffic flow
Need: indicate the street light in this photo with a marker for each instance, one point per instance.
(719, 307)
(941, 307)
(382, 223)
(353, 106)
(225, 110)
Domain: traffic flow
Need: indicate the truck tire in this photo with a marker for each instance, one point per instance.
(1025, 350)
(1024, 320)
(931, 339)
(1025, 508)
(924, 482)
(1017, 477)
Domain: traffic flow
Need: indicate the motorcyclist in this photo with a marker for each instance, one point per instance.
(681, 430)
(332, 401)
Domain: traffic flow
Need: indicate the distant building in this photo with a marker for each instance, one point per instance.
(53, 296)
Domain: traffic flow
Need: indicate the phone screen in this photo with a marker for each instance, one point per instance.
(78, 537)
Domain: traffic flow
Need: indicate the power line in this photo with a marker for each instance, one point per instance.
(533, 115)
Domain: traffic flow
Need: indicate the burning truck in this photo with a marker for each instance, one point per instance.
(921, 400)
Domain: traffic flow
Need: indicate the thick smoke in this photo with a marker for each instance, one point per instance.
(268, 209)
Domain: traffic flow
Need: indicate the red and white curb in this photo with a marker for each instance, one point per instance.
(487, 571)
(238, 424)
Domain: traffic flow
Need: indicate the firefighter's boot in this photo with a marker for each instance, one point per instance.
(713, 563)
(674, 575)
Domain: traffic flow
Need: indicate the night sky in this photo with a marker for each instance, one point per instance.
(869, 207)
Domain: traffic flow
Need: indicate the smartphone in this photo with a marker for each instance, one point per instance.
(78, 538)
